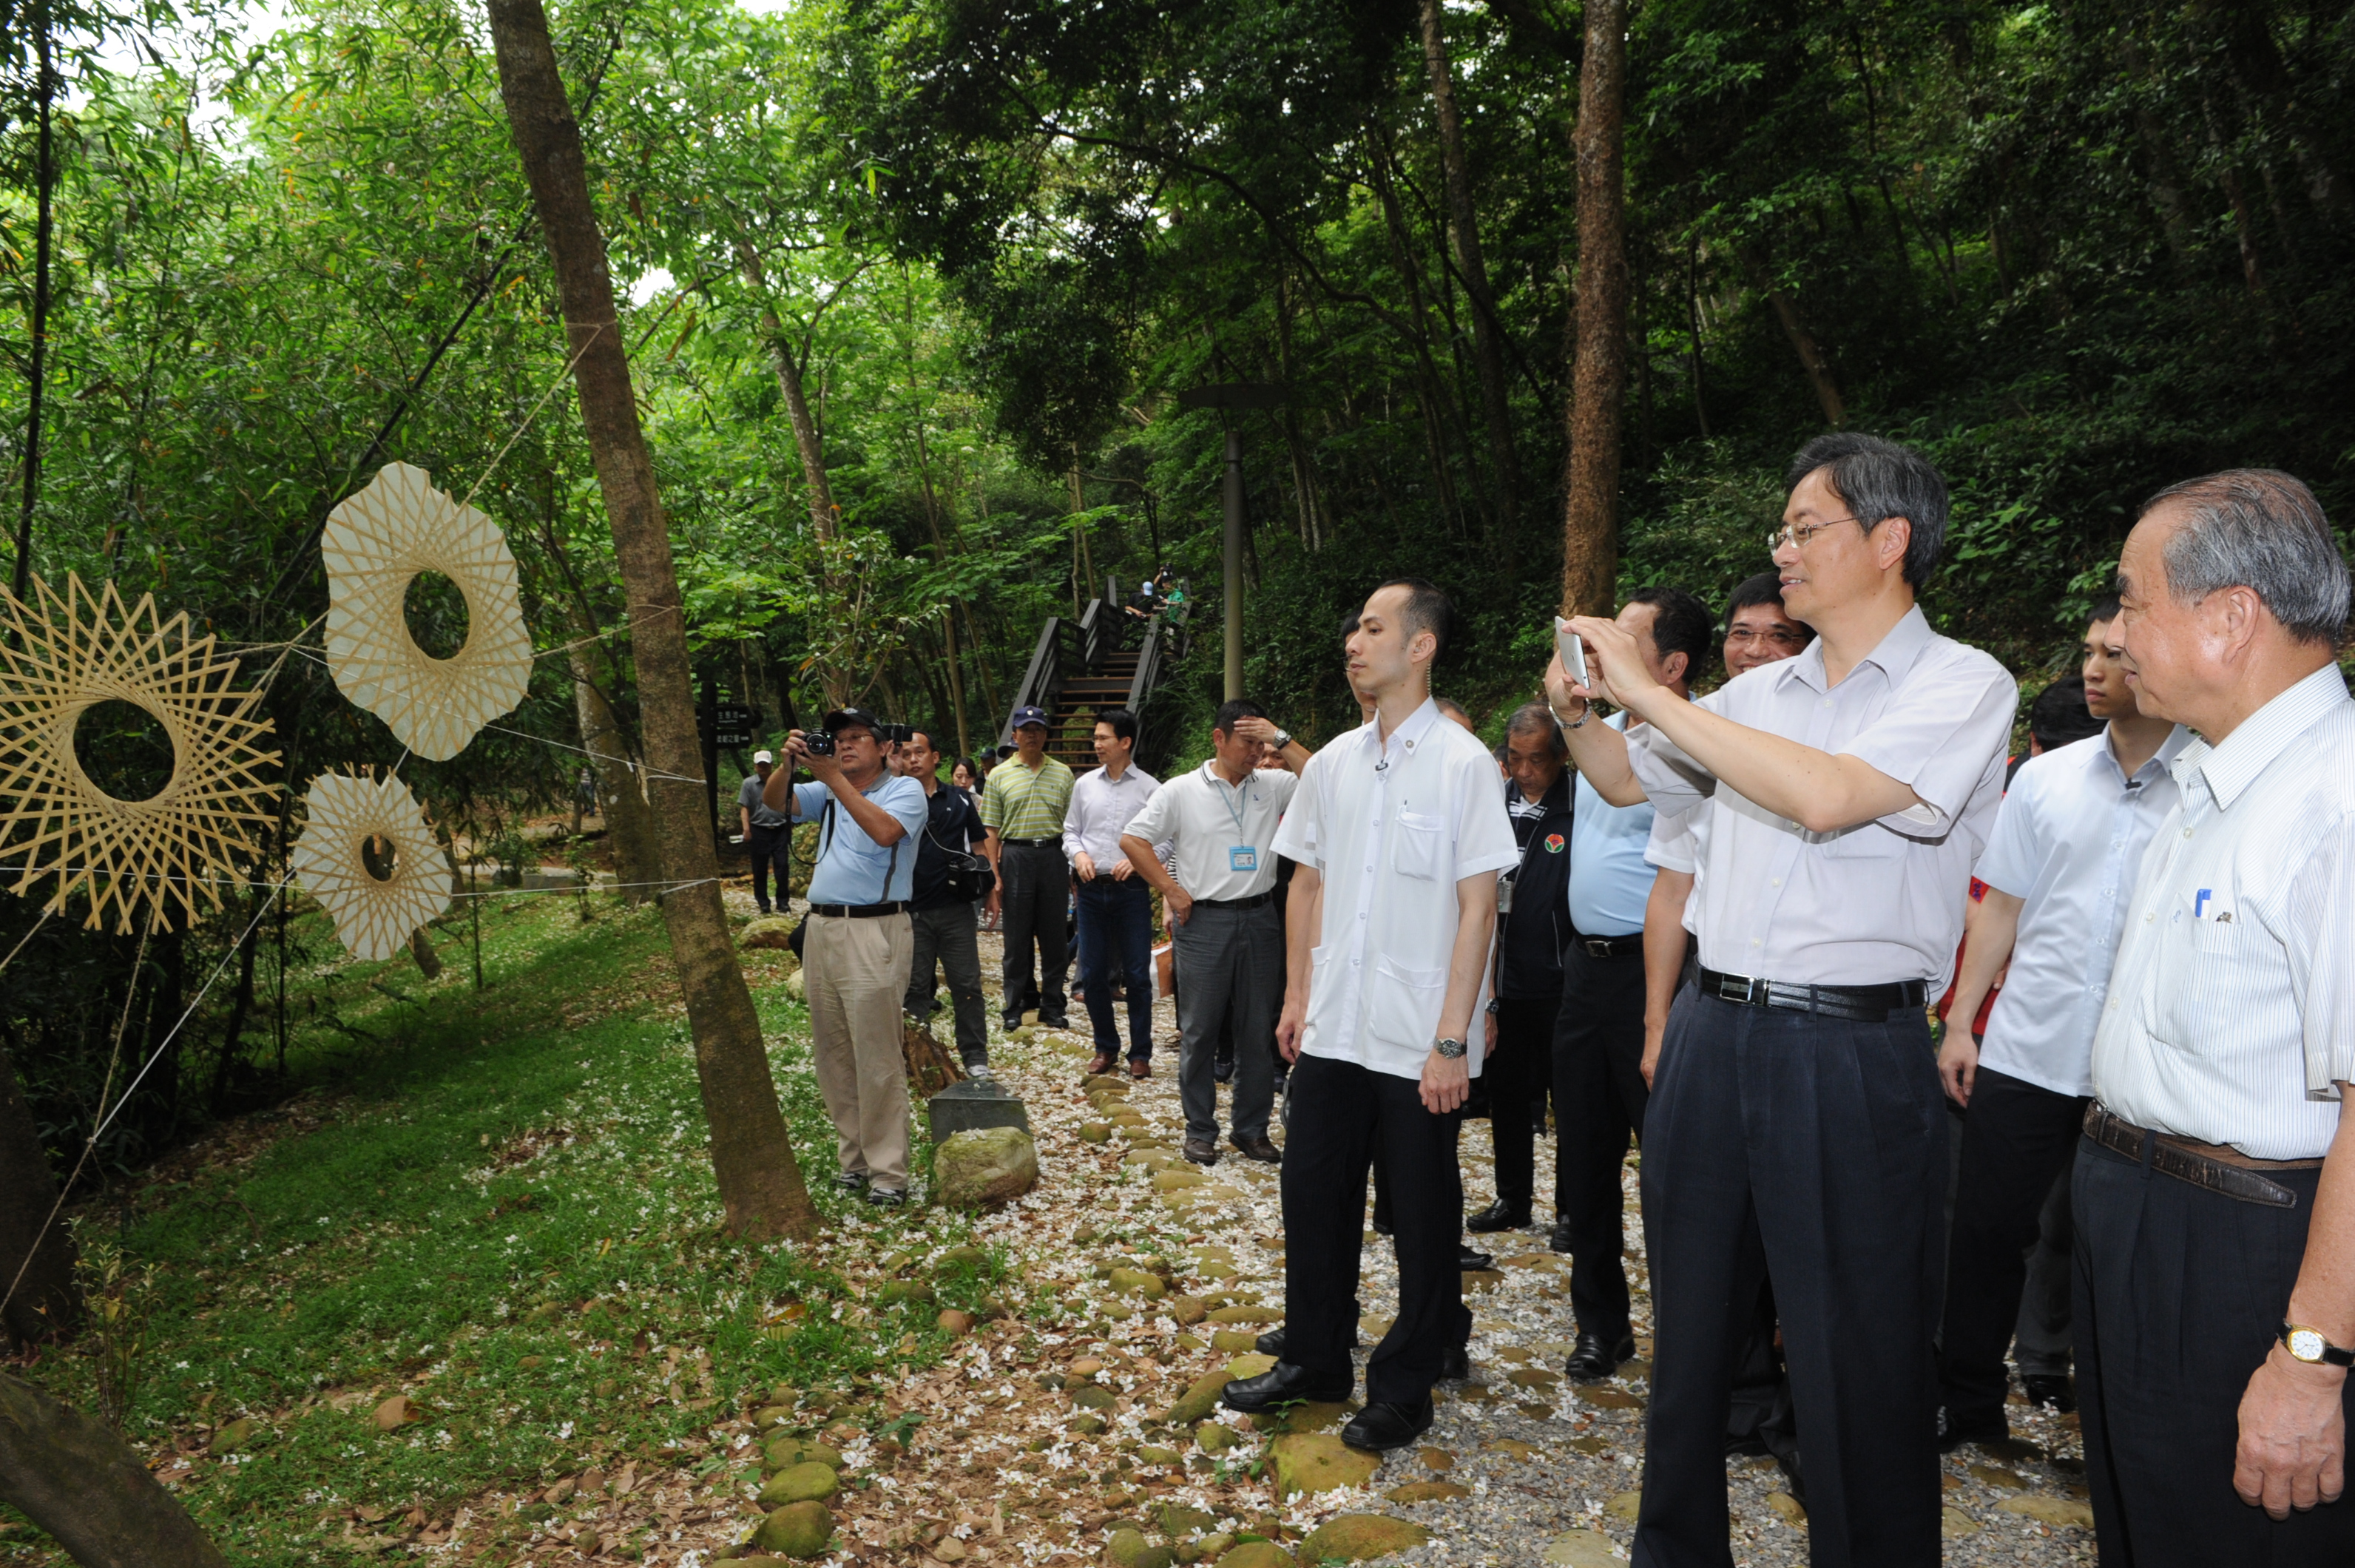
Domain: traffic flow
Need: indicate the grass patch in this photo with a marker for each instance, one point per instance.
(504, 1209)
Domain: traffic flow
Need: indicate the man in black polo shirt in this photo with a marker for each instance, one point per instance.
(946, 925)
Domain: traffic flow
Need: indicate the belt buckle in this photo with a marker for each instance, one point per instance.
(1753, 993)
(1598, 947)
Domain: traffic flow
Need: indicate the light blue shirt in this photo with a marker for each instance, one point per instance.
(851, 867)
(1609, 880)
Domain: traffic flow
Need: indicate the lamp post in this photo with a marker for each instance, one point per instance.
(1224, 396)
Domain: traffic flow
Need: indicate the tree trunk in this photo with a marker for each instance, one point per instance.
(47, 1300)
(45, 180)
(629, 824)
(760, 1181)
(1463, 234)
(1590, 530)
(1811, 355)
(421, 947)
(789, 381)
(75, 1479)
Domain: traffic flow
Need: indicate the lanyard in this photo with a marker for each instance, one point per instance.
(1233, 809)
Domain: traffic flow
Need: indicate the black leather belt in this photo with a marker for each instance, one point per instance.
(1859, 1004)
(858, 912)
(1609, 947)
(1030, 843)
(1252, 902)
(2216, 1168)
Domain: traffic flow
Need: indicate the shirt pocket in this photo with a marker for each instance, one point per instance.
(2209, 977)
(1404, 1005)
(1415, 843)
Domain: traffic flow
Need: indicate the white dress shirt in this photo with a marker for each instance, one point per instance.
(2231, 1012)
(2068, 840)
(1873, 904)
(1391, 828)
(1223, 835)
(1100, 813)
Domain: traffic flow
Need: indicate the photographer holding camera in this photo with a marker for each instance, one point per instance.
(859, 940)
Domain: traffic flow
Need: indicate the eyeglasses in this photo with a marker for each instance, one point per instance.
(1797, 538)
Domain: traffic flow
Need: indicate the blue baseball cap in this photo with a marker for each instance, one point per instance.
(1029, 715)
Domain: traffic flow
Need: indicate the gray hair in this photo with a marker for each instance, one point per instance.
(1537, 719)
(1879, 480)
(2261, 529)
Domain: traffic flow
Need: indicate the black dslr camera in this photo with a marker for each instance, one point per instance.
(820, 743)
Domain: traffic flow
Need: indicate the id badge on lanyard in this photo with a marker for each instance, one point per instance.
(1242, 858)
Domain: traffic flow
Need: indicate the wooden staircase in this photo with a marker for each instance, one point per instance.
(1107, 659)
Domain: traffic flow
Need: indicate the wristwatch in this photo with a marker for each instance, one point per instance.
(2308, 1345)
(1283, 739)
(1453, 1049)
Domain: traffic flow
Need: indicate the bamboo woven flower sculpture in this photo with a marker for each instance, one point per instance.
(375, 542)
(138, 860)
(353, 821)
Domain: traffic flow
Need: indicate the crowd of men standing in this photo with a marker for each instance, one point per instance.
(1714, 926)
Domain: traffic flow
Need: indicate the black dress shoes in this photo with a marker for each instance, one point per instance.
(1381, 1427)
(2051, 1389)
(1557, 1239)
(1272, 1343)
(1499, 1216)
(1470, 1258)
(1954, 1431)
(1591, 1360)
(1222, 1069)
(1456, 1364)
(1287, 1384)
(1201, 1151)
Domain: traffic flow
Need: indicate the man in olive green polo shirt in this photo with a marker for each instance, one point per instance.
(1022, 806)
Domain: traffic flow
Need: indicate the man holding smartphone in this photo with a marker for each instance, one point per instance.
(1795, 1117)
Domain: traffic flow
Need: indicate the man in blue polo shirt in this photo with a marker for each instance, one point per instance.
(1598, 1042)
(859, 943)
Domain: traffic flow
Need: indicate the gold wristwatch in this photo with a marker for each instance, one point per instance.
(2308, 1345)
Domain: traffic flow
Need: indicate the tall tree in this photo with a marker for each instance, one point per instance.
(760, 1181)
(1464, 238)
(38, 1280)
(1589, 528)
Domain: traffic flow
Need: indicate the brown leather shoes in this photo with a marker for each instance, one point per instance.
(1099, 1064)
(1139, 1068)
(1260, 1149)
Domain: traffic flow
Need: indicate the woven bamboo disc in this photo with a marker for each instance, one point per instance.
(373, 914)
(376, 543)
(138, 861)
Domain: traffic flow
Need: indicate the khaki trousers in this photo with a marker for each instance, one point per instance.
(856, 972)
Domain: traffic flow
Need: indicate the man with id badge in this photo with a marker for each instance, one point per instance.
(1219, 820)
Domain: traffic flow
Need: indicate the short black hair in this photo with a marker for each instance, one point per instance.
(930, 745)
(2105, 608)
(1532, 717)
(1767, 588)
(1453, 710)
(1349, 624)
(1428, 609)
(1123, 722)
(1680, 624)
(1229, 712)
(1878, 480)
(2058, 714)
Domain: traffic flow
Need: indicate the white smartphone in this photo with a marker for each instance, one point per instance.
(1574, 652)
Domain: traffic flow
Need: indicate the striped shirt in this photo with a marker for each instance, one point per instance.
(2231, 1012)
(1018, 803)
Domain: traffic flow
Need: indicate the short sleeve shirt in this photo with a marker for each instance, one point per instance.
(851, 868)
(1867, 904)
(2067, 842)
(1609, 883)
(1221, 835)
(1018, 802)
(1392, 827)
(763, 814)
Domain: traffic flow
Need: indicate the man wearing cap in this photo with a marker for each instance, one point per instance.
(859, 943)
(768, 835)
(1023, 805)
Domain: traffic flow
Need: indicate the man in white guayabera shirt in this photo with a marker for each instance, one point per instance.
(1795, 1121)
(1399, 830)
(2215, 1189)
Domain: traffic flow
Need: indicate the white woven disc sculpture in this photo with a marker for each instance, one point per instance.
(373, 915)
(63, 655)
(375, 542)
